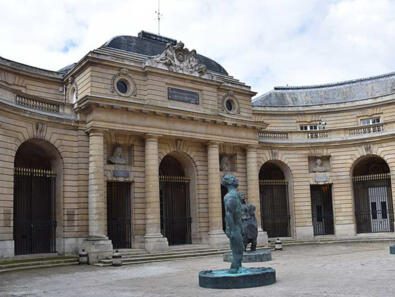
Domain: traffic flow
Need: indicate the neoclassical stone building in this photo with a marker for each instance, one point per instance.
(126, 149)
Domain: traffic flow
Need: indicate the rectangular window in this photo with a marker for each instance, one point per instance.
(374, 210)
(384, 210)
(313, 127)
(370, 121)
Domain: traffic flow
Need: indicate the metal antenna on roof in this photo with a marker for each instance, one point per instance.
(158, 14)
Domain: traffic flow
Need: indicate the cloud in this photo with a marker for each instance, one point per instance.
(263, 43)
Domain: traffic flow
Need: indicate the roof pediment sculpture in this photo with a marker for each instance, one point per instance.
(178, 58)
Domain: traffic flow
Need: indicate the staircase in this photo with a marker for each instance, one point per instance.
(140, 256)
(31, 262)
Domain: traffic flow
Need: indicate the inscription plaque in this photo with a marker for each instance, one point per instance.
(120, 173)
(321, 178)
(183, 95)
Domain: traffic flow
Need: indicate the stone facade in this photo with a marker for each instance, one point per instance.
(76, 117)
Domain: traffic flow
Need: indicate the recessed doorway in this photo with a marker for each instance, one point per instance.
(321, 209)
(119, 219)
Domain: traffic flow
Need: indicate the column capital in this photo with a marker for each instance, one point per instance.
(152, 136)
(95, 131)
(252, 147)
(213, 143)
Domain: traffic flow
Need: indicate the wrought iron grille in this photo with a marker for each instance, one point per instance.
(274, 207)
(373, 203)
(119, 218)
(34, 211)
(175, 216)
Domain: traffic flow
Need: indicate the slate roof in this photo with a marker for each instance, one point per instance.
(149, 44)
(341, 92)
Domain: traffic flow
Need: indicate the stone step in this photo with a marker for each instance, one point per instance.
(172, 252)
(164, 256)
(21, 264)
(292, 242)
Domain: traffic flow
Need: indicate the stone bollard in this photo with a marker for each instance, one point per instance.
(83, 257)
(116, 259)
(278, 245)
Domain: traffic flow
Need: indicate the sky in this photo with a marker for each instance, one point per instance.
(260, 42)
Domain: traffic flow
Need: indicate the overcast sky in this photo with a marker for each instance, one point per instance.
(263, 43)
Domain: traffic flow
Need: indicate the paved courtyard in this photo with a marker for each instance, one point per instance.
(354, 269)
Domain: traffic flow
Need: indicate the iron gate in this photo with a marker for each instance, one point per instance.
(175, 219)
(34, 211)
(321, 209)
(119, 219)
(373, 203)
(274, 207)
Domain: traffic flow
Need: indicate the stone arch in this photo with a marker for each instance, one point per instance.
(37, 161)
(364, 158)
(276, 183)
(372, 194)
(189, 171)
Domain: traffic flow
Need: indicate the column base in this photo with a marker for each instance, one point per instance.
(7, 248)
(304, 233)
(262, 238)
(345, 231)
(72, 245)
(155, 243)
(218, 239)
(98, 248)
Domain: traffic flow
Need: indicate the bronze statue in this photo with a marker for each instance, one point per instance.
(248, 219)
(234, 229)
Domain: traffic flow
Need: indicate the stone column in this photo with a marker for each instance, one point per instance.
(154, 240)
(253, 190)
(97, 217)
(97, 244)
(216, 235)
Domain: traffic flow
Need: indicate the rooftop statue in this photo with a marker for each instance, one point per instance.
(178, 58)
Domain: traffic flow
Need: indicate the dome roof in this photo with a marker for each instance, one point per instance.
(149, 44)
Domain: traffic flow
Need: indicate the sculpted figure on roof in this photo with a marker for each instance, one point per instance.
(178, 58)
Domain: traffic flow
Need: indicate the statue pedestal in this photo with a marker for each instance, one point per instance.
(260, 255)
(245, 278)
(392, 249)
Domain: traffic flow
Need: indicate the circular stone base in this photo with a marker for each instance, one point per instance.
(260, 255)
(246, 278)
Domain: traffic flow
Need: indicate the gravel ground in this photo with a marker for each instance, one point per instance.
(354, 269)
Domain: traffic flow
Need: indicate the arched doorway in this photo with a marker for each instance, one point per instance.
(174, 201)
(372, 195)
(273, 188)
(35, 198)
